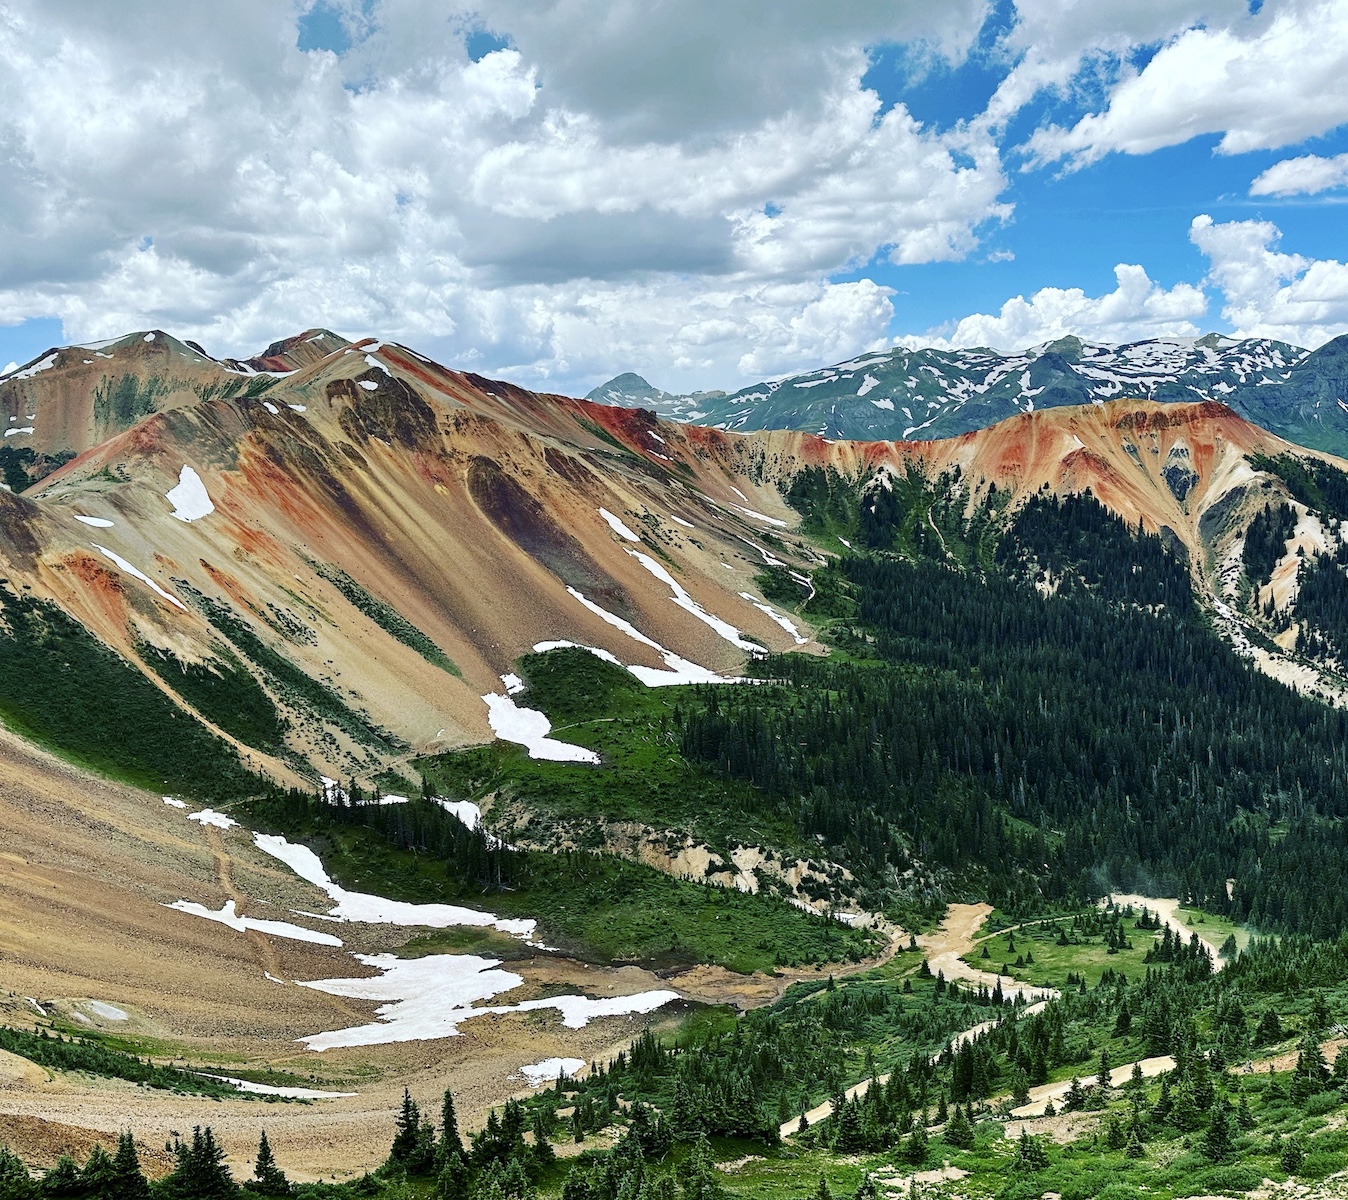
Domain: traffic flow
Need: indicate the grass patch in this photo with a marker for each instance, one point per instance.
(1044, 953)
(388, 618)
(80, 1054)
(643, 778)
(65, 690)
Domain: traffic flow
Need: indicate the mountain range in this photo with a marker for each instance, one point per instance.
(901, 394)
(335, 650)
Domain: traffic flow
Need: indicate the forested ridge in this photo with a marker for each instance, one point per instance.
(1046, 717)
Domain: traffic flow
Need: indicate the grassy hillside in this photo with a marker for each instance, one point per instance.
(68, 692)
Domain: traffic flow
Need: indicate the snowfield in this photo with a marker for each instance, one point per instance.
(228, 915)
(377, 910)
(189, 499)
(529, 728)
(431, 997)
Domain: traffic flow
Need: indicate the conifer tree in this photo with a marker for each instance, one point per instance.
(450, 1142)
(959, 1132)
(63, 1178)
(99, 1176)
(453, 1181)
(1219, 1142)
(15, 1182)
(544, 1155)
(131, 1183)
(1030, 1153)
(268, 1179)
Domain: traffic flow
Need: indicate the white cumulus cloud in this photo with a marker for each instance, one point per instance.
(1137, 308)
(1302, 176)
(1259, 81)
(1269, 293)
(667, 181)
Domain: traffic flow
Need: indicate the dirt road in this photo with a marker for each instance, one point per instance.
(946, 946)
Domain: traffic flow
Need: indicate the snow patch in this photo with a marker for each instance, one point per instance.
(123, 565)
(286, 1093)
(227, 915)
(514, 685)
(189, 499)
(758, 516)
(96, 522)
(109, 1012)
(376, 910)
(271, 408)
(690, 525)
(298, 407)
(45, 365)
(550, 1070)
(617, 526)
(466, 811)
(20, 429)
(369, 385)
(887, 405)
(208, 816)
(427, 998)
(867, 384)
(773, 615)
(172, 802)
(680, 669)
(529, 728)
(688, 604)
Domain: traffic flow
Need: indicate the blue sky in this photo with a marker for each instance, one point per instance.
(558, 192)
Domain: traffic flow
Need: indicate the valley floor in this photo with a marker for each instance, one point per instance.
(86, 871)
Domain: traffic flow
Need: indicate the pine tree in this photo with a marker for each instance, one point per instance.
(1219, 1142)
(915, 1148)
(1292, 1155)
(453, 1181)
(958, 1132)
(99, 1177)
(131, 1183)
(1312, 1072)
(1030, 1153)
(268, 1179)
(15, 1182)
(450, 1142)
(698, 1174)
(407, 1128)
(201, 1173)
(544, 1155)
(63, 1179)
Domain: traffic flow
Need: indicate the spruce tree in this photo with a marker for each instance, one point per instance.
(450, 1142)
(268, 1179)
(1219, 1141)
(544, 1155)
(15, 1182)
(63, 1179)
(131, 1182)
(1312, 1072)
(959, 1132)
(453, 1181)
(99, 1176)
(407, 1127)
(1030, 1153)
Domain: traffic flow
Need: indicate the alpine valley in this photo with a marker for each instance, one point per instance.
(493, 794)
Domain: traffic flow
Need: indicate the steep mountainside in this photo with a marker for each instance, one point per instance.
(361, 565)
(363, 542)
(1300, 395)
